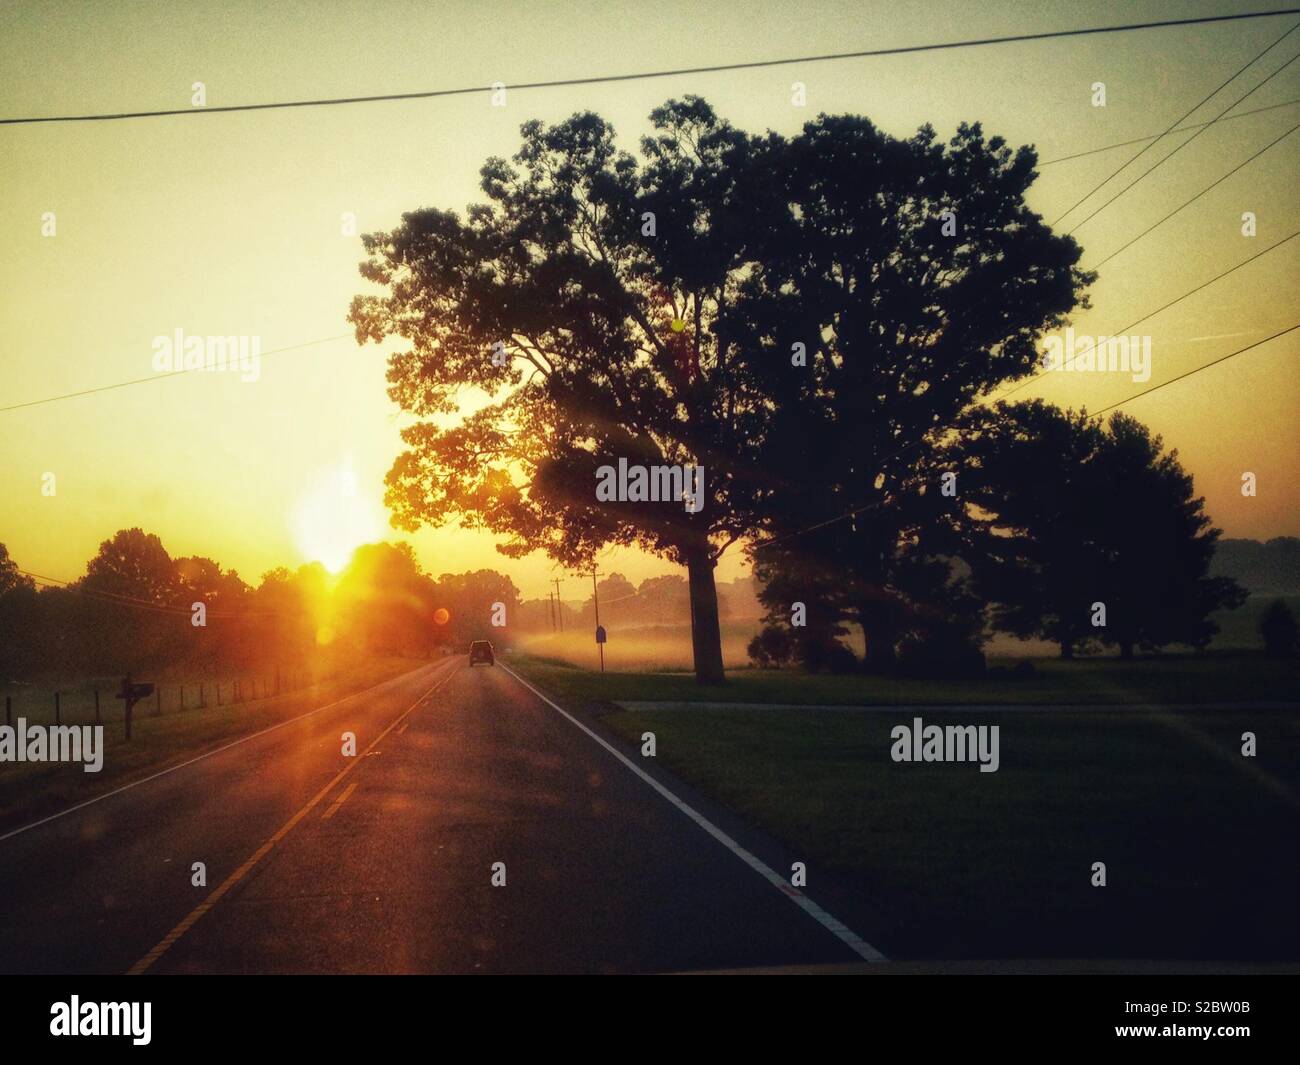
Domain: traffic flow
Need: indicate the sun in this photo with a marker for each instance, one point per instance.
(333, 519)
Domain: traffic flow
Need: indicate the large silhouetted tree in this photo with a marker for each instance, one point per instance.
(1065, 513)
(604, 287)
(909, 276)
(646, 311)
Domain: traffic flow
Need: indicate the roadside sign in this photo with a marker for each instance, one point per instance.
(600, 634)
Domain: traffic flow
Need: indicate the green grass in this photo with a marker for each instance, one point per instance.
(1195, 836)
(1166, 679)
(29, 791)
(1199, 841)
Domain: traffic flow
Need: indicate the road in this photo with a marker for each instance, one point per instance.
(321, 863)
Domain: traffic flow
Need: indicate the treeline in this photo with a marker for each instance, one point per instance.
(1271, 566)
(1027, 520)
(138, 609)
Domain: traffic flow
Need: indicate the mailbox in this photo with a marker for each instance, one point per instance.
(130, 694)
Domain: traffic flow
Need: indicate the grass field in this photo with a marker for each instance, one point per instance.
(1167, 679)
(1199, 841)
(28, 791)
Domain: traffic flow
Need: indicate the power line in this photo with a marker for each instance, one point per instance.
(1156, 136)
(1129, 399)
(1203, 191)
(161, 376)
(344, 336)
(644, 75)
(1151, 314)
(120, 599)
(1185, 143)
(1173, 126)
(1198, 369)
(822, 524)
(915, 48)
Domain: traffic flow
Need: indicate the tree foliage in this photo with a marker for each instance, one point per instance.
(1065, 512)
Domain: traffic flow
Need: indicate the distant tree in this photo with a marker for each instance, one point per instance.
(536, 615)
(1063, 512)
(203, 580)
(10, 576)
(1278, 628)
(386, 601)
(1273, 566)
(468, 598)
(285, 605)
(19, 619)
(124, 613)
(132, 564)
(664, 601)
(742, 594)
(618, 601)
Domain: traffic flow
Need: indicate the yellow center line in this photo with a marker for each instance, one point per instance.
(234, 878)
(340, 800)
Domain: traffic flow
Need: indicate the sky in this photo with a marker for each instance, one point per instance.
(231, 224)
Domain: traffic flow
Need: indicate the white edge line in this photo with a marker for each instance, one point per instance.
(207, 754)
(846, 935)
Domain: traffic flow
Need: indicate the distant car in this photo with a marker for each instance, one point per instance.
(481, 651)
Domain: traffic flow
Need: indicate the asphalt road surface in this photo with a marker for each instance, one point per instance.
(383, 862)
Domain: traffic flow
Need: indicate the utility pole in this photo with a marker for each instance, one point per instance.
(595, 596)
(559, 604)
(550, 603)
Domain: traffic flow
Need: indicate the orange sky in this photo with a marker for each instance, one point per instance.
(230, 224)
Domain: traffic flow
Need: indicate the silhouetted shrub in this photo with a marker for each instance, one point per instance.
(942, 651)
(1278, 627)
(771, 648)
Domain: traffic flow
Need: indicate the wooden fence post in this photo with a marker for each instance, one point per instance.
(157, 701)
(58, 717)
(9, 710)
(182, 696)
(98, 720)
(202, 704)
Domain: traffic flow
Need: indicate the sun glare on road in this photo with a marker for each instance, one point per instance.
(332, 519)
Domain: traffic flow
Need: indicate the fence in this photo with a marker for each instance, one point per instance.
(95, 702)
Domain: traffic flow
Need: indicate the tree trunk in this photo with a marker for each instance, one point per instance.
(706, 635)
(879, 627)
